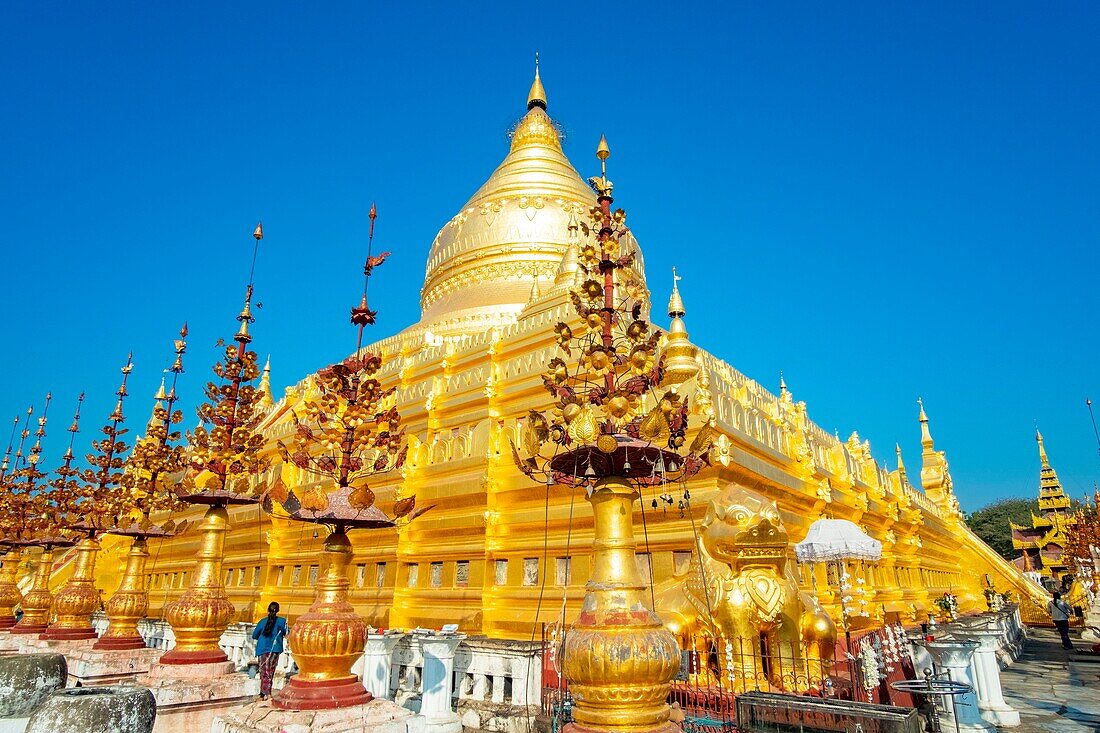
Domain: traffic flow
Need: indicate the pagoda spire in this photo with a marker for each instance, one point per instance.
(925, 434)
(537, 96)
(935, 476)
(1052, 497)
(679, 352)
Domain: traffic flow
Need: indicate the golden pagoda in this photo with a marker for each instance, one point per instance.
(496, 547)
(1042, 543)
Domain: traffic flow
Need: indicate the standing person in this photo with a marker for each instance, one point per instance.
(1059, 613)
(269, 633)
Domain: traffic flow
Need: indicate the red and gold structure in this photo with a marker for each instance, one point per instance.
(36, 523)
(613, 432)
(224, 458)
(350, 433)
(91, 504)
(10, 597)
(146, 484)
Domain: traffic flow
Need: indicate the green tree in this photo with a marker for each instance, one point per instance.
(991, 523)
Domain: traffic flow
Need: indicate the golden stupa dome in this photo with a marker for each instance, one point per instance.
(513, 230)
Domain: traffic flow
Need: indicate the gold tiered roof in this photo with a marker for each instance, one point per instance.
(1043, 541)
(515, 228)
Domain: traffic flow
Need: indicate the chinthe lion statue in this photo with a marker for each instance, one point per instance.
(739, 599)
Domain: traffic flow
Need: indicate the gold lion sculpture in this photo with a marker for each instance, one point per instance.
(740, 600)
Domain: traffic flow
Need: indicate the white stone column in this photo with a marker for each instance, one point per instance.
(437, 688)
(953, 657)
(987, 680)
(377, 663)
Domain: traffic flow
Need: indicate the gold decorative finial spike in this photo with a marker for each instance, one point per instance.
(925, 433)
(603, 152)
(901, 464)
(537, 96)
(259, 232)
(675, 302)
(1042, 448)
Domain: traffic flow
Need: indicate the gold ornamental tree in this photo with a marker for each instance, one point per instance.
(147, 490)
(89, 503)
(10, 526)
(37, 523)
(224, 457)
(349, 433)
(613, 431)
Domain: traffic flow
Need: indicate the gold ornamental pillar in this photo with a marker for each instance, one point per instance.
(75, 603)
(618, 658)
(129, 603)
(327, 640)
(37, 604)
(201, 615)
(9, 588)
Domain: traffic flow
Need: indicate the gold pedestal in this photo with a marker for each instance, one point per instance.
(78, 599)
(618, 658)
(327, 640)
(201, 615)
(10, 596)
(129, 603)
(36, 605)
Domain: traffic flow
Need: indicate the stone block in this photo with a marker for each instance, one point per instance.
(98, 667)
(377, 716)
(117, 709)
(190, 696)
(27, 680)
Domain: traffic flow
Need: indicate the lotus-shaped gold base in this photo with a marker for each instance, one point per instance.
(129, 603)
(10, 597)
(327, 640)
(37, 604)
(78, 599)
(618, 659)
(201, 615)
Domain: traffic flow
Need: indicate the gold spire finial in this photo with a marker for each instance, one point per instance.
(537, 96)
(258, 233)
(679, 352)
(1042, 448)
(925, 433)
(601, 185)
(675, 302)
(901, 463)
(535, 292)
(603, 152)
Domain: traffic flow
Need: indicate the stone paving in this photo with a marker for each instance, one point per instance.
(1055, 690)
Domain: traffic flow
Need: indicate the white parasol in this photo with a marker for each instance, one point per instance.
(832, 540)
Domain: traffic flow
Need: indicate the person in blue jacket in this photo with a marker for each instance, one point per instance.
(269, 634)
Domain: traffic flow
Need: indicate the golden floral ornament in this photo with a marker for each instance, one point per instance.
(642, 359)
(599, 360)
(592, 289)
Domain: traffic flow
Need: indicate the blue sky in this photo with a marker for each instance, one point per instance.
(882, 201)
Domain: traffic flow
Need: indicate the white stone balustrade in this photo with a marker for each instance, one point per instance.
(437, 686)
(986, 672)
(953, 657)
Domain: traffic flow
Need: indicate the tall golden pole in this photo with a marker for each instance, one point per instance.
(225, 456)
(618, 658)
(10, 597)
(144, 480)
